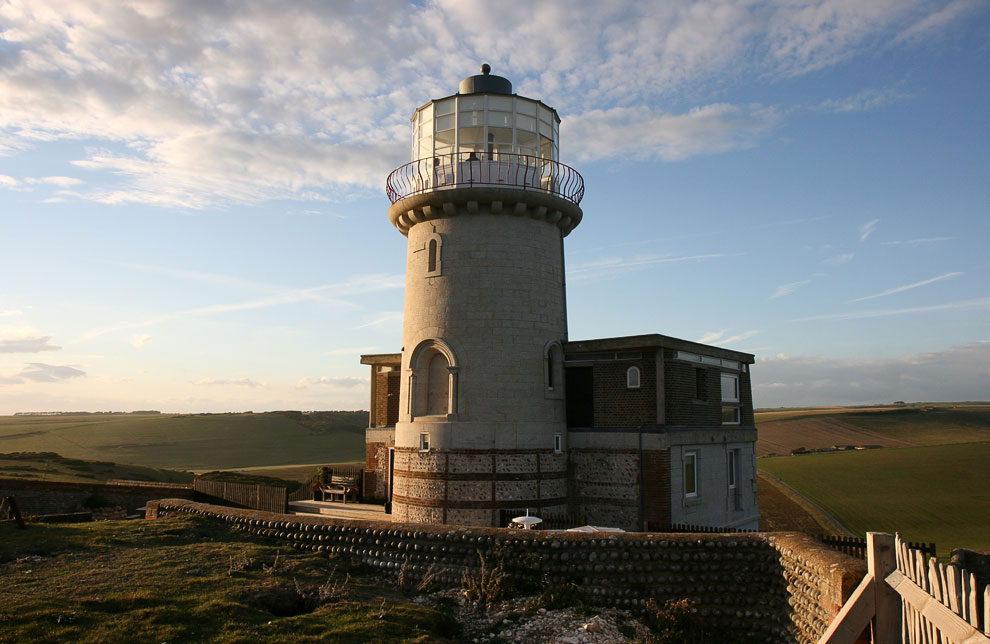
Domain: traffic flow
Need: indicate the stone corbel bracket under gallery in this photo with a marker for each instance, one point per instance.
(475, 200)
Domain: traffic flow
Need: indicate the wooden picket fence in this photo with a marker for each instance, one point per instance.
(703, 529)
(306, 493)
(856, 546)
(909, 600)
(242, 495)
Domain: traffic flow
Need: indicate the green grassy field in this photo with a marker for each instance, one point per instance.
(188, 580)
(46, 466)
(192, 441)
(938, 493)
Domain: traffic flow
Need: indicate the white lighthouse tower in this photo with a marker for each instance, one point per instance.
(485, 205)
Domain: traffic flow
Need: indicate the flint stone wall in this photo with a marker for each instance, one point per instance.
(777, 587)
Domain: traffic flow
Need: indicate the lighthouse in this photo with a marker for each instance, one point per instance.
(490, 410)
(485, 204)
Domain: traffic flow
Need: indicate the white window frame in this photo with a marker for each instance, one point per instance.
(734, 379)
(691, 456)
(629, 377)
(733, 468)
(557, 444)
(424, 441)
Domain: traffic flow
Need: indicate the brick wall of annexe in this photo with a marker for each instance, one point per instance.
(781, 587)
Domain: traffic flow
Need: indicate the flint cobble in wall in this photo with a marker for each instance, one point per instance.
(781, 587)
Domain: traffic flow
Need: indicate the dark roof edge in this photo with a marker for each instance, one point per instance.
(655, 341)
(381, 358)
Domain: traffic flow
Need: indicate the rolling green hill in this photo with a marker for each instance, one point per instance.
(193, 441)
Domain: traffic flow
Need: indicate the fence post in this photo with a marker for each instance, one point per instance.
(881, 560)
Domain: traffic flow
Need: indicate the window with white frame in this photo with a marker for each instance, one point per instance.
(733, 468)
(557, 447)
(730, 395)
(690, 474)
(632, 378)
(424, 442)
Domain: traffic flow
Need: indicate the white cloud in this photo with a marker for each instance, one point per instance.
(646, 133)
(916, 242)
(24, 339)
(959, 373)
(351, 351)
(4, 314)
(191, 105)
(381, 319)
(711, 336)
(739, 337)
(867, 229)
(908, 287)
(867, 99)
(8, 181)
(139, 340)
(63, 182)
(609, 266)
(232, 382)
(40, 372)
(787, 289)
(333, 382)
(974, 304)
(837, 260)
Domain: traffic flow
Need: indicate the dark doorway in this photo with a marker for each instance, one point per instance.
(580, 389)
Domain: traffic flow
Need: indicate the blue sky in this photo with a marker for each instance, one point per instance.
(192, 213)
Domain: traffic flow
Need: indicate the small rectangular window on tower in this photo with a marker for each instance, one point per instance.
(557, 447)
(424, 442)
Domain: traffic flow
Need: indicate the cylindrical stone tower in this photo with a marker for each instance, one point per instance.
(485, 205)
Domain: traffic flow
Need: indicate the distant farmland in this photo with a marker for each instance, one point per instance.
(193, 441)
(781, 432)
(939, 493)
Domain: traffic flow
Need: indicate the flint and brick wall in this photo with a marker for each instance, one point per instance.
(775, 587)
(36, 498)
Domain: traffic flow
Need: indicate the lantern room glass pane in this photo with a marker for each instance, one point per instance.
(526, 138)
(475, 117)
(471, 103)
(472, 134)
(500, 134)
(445, 106)
(545, 148)
(501, 119)
(426, 114)
(526, 107)
(445, 122)
(525, 123)
(546, 130)
(500, 103)
(545, 115)
(443, 149)
(445, 137)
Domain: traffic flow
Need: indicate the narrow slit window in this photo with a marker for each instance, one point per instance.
(433, 256)
(557, 448)
(691, 474)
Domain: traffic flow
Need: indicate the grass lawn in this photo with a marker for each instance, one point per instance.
(192, 441)
(188, 580)
(47, 466)
(939, 493)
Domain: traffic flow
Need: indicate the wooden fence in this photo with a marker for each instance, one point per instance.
(703, 529)
(904, 599)
(241, 495)
(856, 546)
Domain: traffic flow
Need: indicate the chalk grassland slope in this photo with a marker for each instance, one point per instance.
(184, 580)
(47, 466)
(782, 432)
(938, 493)
(783, 511)
(192, 442)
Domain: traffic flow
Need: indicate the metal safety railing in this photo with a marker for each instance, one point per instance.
(466, 169)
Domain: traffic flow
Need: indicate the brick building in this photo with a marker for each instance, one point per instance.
(489, 406)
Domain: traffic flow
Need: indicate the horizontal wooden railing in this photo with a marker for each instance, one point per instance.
(856, 546)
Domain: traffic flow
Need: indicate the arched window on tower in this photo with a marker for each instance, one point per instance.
(433, 380)
(434, 247)
(553, 369)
